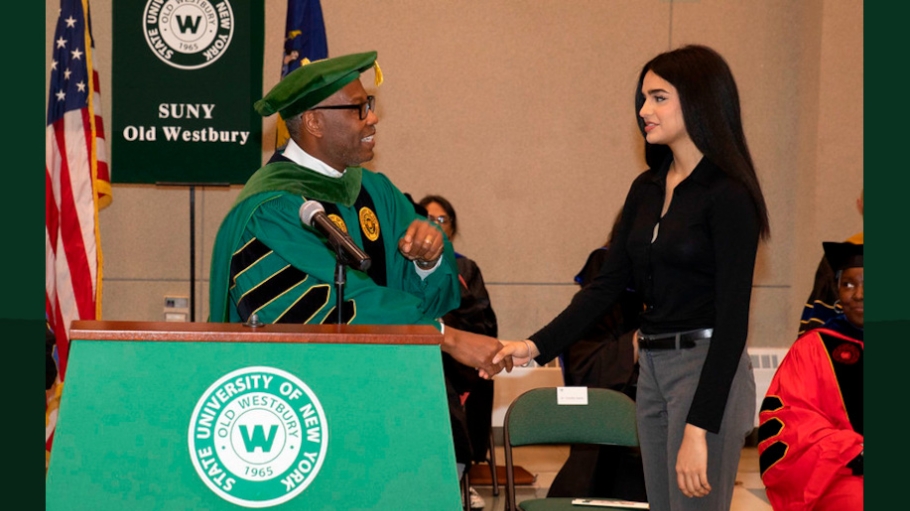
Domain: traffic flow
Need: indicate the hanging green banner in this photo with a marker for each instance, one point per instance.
(185, 76)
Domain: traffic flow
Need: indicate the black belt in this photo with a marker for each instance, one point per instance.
(677, 341)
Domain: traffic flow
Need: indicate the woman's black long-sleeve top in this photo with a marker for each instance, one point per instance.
(696, 274)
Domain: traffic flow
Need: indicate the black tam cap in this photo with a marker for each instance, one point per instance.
(843, 255)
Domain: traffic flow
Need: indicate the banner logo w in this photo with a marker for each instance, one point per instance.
(188, 34)
(190, 23)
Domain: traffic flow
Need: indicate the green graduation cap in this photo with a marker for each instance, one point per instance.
(312, 82)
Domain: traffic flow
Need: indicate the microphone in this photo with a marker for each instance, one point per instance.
(313, 215)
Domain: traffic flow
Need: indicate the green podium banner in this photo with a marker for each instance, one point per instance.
(355, 420)
(185, 76)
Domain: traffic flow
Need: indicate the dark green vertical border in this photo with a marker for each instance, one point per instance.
(887, 182)
(22, 208)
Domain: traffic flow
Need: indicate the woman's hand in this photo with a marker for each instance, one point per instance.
(692, 463)
(521, 353)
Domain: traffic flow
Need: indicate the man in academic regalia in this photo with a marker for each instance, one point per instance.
(268, 263)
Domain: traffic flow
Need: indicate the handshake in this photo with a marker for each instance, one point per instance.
(486, 354)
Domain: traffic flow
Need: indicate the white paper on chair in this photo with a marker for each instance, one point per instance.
(625, 504)
(571, 395)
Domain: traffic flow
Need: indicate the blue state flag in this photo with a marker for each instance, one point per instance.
(304, 38)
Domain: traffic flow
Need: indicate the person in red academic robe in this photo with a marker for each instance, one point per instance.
(811, 420)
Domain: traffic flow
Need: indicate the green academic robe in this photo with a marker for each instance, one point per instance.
(265, 261)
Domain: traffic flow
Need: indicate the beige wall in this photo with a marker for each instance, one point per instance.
(521, 113)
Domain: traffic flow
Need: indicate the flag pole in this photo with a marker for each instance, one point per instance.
(192, 303)
(192, 221)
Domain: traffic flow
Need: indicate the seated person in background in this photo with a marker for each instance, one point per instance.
(604, 358)
(822, 303)
(810, 438)
(474, 314)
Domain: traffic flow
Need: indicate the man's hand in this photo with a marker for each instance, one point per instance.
(422, 242)
(475, 350)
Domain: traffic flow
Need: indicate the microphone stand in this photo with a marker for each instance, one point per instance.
(342, 260)
(341, 263)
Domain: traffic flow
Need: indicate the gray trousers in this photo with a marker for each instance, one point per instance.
(666, 386)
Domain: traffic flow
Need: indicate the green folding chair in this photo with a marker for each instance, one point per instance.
(535, 418)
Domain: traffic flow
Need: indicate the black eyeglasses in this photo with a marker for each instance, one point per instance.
(441, 219)
(364, 108)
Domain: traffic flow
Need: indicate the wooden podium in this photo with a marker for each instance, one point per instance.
(221, 416)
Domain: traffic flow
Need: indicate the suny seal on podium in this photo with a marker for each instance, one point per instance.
(258, 436)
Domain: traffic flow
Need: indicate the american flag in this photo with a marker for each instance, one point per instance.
(77, 182)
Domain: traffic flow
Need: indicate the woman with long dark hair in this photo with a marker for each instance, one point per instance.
(688, 238)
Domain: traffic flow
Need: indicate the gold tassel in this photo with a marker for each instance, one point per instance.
(281, 133)
(378, 79)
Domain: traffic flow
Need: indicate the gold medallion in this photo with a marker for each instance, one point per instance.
(339, 222)
(369, 224)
